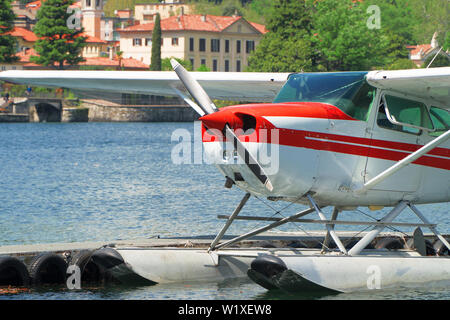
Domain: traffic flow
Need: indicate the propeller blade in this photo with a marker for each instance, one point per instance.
(251, 162)
(191, 103)
(193, 87)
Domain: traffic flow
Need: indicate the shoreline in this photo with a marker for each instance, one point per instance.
(40, 110)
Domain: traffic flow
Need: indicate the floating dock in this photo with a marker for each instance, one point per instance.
(166, 260)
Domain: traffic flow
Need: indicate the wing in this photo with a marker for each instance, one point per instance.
(430, 84)
(234, 86)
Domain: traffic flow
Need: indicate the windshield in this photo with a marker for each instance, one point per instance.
(348, 91)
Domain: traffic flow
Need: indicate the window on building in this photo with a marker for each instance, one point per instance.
(249, 46)
(215, 45)
(203, 62)
(174, 41)
(227, 65)
(192, 63)
(88, 3)
(97, 3)
(202, 45)
(238, 65)
(148, 42)
(227, 45)
(148, 17)
(191, 44)
(214, 64)
(238, 46)
(137, 42)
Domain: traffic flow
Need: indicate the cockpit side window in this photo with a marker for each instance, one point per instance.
(404, 115)
(441, 120)
(383, 121)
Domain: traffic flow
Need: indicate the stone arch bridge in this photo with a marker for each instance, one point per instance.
(40, 109)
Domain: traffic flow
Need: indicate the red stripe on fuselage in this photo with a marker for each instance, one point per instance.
(366, 147)
(339, 143)
(359, 146)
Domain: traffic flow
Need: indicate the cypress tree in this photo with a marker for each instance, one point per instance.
(155, 64)
(7, 42)
(58, 44)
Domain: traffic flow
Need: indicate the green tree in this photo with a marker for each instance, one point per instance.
(402, 64)
(7, 42)
(155, 64)
(399, 17)
(398, 20)
(274, 54)
(430, 16)
(442, 60)
(203, 68)
(167, 66)
(446, 45)
(343, 38)
(287, 46)
(58, 45)
(119, 56)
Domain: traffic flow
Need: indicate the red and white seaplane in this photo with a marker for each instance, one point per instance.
(346, 139)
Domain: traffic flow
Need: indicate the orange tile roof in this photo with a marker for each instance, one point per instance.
(25, 34)
(260, 27)
(92, 39)
(24, 57)
(35, 5)
(31, 37)
(193, 22)
(416, 49)
(106, 62)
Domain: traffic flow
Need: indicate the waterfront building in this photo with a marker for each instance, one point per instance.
(221, 43)
(146, 12)
(25, 38)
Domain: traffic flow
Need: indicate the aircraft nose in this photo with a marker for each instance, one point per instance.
(219, 119)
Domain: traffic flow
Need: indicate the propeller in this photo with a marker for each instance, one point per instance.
(194, 88)
(206, 107)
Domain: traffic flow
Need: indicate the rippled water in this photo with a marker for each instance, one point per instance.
(109, 181)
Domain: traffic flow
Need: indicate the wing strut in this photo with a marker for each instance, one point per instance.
(404, 162)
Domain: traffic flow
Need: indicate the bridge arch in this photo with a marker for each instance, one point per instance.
(45, 112)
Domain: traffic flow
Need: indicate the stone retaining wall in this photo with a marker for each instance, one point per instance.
(180, 113)
(75, 115)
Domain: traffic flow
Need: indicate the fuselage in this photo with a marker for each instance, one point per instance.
(330, 146)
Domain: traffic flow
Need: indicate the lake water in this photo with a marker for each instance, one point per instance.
(76, 182)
